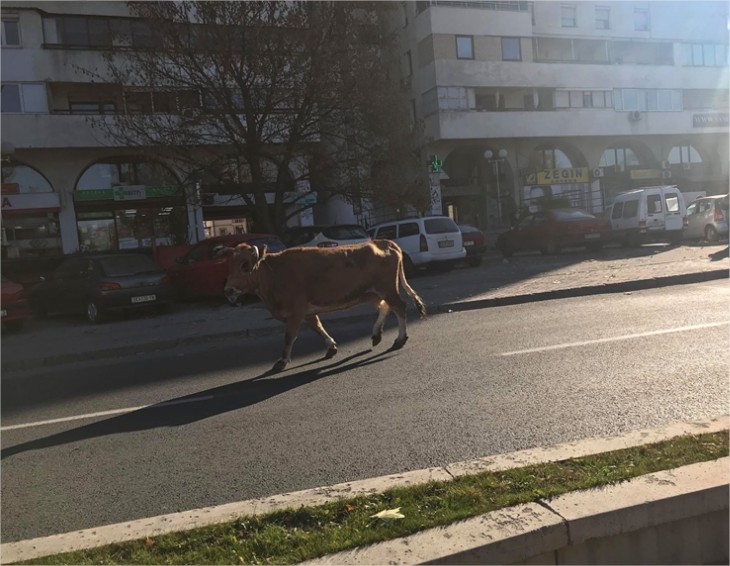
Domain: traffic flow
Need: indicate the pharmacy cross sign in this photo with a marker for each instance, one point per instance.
(435, 163)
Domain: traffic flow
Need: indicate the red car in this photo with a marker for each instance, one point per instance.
(551, 230)
(474, 242)
(199, 273)
(15, 308)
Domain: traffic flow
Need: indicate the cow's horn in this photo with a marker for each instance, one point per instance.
(256, 252)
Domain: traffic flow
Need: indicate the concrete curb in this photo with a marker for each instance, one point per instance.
(620, 287)
(155, 526)
(596, 526)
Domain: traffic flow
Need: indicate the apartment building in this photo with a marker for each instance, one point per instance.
(521, 101)
(65, 186)
(578, 100)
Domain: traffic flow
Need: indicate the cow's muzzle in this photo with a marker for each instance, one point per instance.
(231, 294)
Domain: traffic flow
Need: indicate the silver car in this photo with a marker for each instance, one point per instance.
(707, 218)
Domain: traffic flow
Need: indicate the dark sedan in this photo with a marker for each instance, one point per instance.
(97, 284)
(551, 230)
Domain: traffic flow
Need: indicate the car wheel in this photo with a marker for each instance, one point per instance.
(93, 312)
(631, 240)
(474, 261)
(711, 234)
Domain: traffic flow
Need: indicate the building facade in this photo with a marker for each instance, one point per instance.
(521, 102)
(525, 101)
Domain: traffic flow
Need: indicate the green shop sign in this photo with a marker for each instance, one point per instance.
(124, 193)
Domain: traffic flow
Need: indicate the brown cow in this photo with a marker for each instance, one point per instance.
(297, 284)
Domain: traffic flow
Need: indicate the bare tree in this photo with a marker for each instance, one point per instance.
(255, 96)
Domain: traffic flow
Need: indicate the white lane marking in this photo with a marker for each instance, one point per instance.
(106, 413)
(613, 339)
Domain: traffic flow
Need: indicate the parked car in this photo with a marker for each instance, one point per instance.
(707, 218)
(649, 214)
(201, 273)
(100, 283)
(325, 236)
(430, 240)
(475, 244)
(13, 304)
(551, 230)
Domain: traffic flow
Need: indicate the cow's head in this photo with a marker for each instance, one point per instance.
(245, 260)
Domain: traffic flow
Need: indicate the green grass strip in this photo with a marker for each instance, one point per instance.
(291, 536)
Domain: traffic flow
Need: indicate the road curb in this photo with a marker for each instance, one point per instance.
(438, 308)
(196, 518)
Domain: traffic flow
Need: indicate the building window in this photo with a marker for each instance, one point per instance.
(621, 156)
(663, 100)
(92, 107)
(452, 98)
(704, 54)
(603, 17)
(641, 18)
(583, 99)
(404, 13)
(28, 98)
(684, 153)
(10, 33)
(511, 49)
(464, 47)
(567, 15)
(407, 64)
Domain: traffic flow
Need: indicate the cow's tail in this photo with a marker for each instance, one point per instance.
(411, 292)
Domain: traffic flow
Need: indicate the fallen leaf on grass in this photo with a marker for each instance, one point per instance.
(389, 514)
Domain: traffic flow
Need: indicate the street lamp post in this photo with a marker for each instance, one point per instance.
(489, 156)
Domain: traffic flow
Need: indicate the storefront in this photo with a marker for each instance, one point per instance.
(30, 207)
(129, 212)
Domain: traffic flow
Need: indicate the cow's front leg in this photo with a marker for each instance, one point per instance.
(290, 335)
(316, 324)
(383, 310)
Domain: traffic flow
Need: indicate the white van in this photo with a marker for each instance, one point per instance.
(424, 241)
(649, 214)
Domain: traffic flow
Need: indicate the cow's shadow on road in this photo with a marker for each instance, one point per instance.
(204, 404)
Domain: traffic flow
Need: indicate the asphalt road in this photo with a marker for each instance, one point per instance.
(181, 429)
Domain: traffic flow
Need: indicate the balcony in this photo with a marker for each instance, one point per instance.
(34, 131)
(459, 125)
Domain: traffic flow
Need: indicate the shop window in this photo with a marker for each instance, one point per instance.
(31, 236)
(552, 158)
(106, 175)
(21, 179)
(684, 153)
(622, 156)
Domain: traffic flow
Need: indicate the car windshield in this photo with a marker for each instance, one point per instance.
(272, 244)
(349, 232)
(571, 215)
(127, 265)
(440, 226)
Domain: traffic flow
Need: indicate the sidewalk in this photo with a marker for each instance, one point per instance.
(497, 282)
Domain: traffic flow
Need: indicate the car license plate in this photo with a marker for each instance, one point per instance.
(592, 236)
(4, 312)
(446, 244)
(144, 299)
(466, 244)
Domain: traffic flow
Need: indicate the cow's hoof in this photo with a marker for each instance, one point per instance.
(279, 365)
(330, 353)
(376, 339)
(398, 344)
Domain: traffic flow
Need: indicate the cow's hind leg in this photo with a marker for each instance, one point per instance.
(292, 330)
(316, 324)
(398, 306)
(383, 310)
